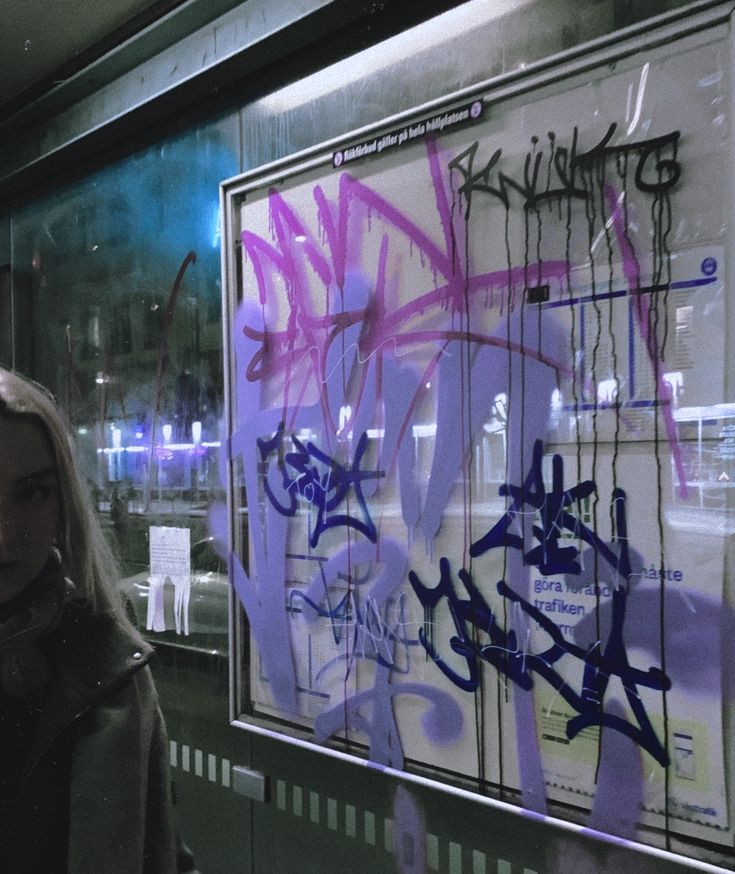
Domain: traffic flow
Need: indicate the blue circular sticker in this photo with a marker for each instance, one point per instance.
(709, 266)
(338, 157)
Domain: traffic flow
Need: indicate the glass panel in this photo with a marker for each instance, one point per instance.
(467, 45)
(117, 289)
(482, 420)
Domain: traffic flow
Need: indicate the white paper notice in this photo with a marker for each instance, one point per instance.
(170, 559)
(170, 550)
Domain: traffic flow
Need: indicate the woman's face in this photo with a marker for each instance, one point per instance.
(29, 504)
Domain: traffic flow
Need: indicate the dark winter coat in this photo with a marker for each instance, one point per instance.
(94, 791)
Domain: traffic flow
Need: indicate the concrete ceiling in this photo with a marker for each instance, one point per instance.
(42, 42)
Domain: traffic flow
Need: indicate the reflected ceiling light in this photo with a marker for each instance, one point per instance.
(345, 414)
(607, 391)
(675, 382)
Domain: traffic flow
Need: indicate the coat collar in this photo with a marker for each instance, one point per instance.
(91, 654)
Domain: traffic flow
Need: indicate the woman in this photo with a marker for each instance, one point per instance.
(84, 785)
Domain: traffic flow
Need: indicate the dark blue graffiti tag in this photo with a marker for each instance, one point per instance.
(509, 658)
(472, 616)
(304, 478)
(373, 634)
(548, 555)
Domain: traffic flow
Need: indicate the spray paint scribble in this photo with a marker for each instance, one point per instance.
(472, 616)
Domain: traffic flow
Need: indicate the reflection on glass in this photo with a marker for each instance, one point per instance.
(707, 436)
(117, 281)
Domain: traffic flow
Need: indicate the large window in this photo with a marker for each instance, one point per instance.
(117, 299)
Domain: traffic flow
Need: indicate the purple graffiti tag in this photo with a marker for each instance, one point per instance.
(371, 710)
(404, 390)
(631, 269)
(373, 631)
(690, 618)
(619, 792)
(331, 359)
(319, 333)
(342, 347)
(262, 592)
(492, 373)
(371, 713)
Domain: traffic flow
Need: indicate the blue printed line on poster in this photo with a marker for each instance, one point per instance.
(692, 283)
(681, 285)
(571, 408)
(297, 555)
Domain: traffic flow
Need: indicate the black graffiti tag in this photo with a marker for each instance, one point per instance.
(565, 169)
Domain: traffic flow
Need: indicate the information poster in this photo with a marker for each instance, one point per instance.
(484, 433)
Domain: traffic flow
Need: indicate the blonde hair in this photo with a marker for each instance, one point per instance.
(87, 557)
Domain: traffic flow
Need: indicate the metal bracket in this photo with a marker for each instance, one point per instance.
(251, 784)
